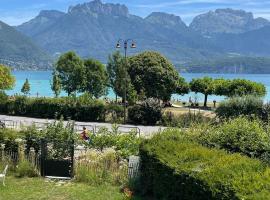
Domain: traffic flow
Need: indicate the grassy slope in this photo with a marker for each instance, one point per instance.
(38, 189)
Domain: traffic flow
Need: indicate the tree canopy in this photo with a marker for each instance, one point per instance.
(242, 87)
(203, 85)
(96, 78)
(153, 75)
(71, 72)
(7, 81)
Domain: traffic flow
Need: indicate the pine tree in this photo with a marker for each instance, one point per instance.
(26, 87)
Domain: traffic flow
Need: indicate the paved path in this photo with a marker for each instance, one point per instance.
(16, 122)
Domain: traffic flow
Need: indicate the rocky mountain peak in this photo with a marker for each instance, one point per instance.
(227, 21)
(165, 19)
(99, 8)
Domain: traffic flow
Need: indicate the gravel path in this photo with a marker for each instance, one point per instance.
(16, 122)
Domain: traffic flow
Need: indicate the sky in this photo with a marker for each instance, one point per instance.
(15, 12)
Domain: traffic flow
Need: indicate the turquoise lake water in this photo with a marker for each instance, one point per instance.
(40, 83)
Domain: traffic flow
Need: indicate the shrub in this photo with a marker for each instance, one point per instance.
(184, 120)
(244, 136)
(8, 137)
(97, 168)
(25, 169)
(240, 135)
(265, 115)
(147, 113)
(79, 109)
(174, 168)
(233, 107)
(125, 144)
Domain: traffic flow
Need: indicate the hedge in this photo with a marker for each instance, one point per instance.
(51, 107)
(174, 168)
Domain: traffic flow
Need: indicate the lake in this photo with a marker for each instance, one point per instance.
(40, 83)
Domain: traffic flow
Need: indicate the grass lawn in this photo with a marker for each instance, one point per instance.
(39, 189)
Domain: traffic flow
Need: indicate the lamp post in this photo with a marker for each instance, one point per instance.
(132, 46)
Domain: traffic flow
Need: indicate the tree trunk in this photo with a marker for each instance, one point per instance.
(116, 99)
(205, 100)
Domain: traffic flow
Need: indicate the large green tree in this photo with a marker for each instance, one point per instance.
(71, 71)
(56, 84)
(26, 87)
(203, 85)
(242, 87)
(7, 81)
(153, 75)
(119, 77)
(96, 78)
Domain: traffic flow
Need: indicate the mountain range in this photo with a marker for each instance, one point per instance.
(92, 29)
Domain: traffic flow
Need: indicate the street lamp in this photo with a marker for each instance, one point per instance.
(132, 46)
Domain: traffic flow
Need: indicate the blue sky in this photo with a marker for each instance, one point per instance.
(15, 12)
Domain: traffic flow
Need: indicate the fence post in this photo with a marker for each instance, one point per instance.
(42, 155)
(3, 151)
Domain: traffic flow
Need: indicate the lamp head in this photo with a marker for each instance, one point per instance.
(118, 46)
(133, 45)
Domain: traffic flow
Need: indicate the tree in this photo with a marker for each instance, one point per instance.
(221, 87)
(203, 85)
(7, 81)
(56, 84)
(242, 87)
(96, 78)
(118, 77)
(154, 75)
(71, 71)
(26, 87)
(182, 87)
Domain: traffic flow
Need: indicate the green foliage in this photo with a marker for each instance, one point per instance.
(233, 107)
(56, 84)
(26, 87)
(147, 113)
(70, 69)
(7, 81)
(104, 167)
(153, 75)
(80, 109)
(124, 144)
(96, 78)
(182, 87)
(59, 137)
(241, 135)
(7, 137)
(203, 85)
(242, 87)
(244, 136)
(3, 97)
(25, 169)
(117, 73)
(184, 120)
(196, 172)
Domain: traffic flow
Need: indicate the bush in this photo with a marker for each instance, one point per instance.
(174, 168)
(147, 113)
(125, 144)
(248, 106)
(97, 168)
(184, 120)
(243, 136)
(8, 137)
(25, 169)
(79, 109)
